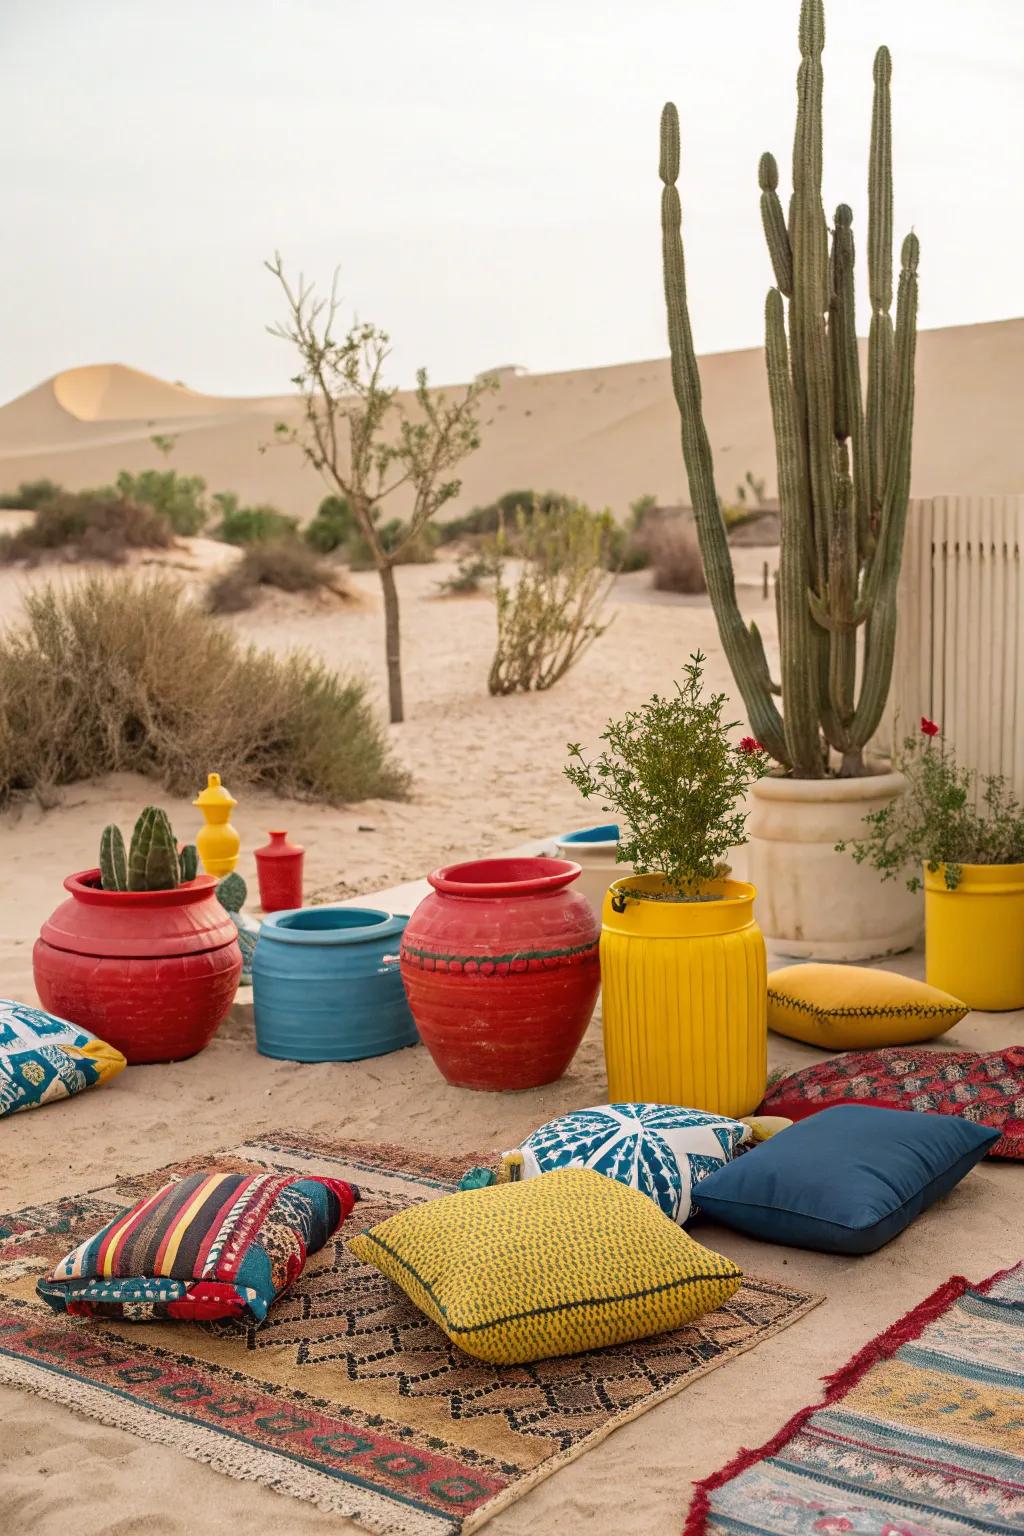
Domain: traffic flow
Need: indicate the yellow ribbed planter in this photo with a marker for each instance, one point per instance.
(974, 936)
(685, 999)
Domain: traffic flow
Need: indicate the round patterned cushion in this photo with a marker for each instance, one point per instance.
(661, 1150)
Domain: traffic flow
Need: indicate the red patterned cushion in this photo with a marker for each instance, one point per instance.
(986, 1087)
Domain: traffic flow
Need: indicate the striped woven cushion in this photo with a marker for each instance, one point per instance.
(212, 1245)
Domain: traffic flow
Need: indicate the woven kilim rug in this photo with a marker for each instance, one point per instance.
(921, 1434)
(346, 1396)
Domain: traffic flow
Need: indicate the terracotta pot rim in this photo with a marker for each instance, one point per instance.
(816, 791)
(551, 875)
(83, 887)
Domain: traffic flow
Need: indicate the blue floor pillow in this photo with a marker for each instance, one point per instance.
(846, 1180)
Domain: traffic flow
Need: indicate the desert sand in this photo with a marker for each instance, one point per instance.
(487, 776)
(606, 435)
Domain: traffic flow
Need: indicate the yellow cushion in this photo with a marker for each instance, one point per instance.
(852, 1007)
(554, 1265)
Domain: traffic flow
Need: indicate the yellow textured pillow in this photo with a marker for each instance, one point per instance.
(852, 1007)
(554, 1265)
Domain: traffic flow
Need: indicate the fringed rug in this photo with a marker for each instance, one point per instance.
(921, 1434)
(347, 1396)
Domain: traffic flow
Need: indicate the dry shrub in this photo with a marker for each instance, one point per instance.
(553, 612)
(124, 674)
(287, 564)
(88, 525)
(675, 556)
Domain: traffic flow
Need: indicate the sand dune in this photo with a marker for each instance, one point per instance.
(604, 434)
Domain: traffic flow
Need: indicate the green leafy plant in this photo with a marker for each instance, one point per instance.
(152, 862)
(551, 613)
(673, 775)
(394, 538)
(947, 816)
(250, 525)
(472, 569)
(333, 525)
(180, 498)
(843, 462)
(485, 521)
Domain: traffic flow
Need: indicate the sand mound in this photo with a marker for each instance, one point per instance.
(112, 392)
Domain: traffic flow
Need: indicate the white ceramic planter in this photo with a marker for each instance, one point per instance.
(816, 903)
(594, 851)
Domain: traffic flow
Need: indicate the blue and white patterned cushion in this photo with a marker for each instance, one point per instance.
(44, 1058)
(659, 1149)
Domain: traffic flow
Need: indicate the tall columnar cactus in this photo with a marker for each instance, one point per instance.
(843, 465)
(113, 860)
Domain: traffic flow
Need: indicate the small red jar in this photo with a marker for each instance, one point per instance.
(500, 965)
(279, 871)
(151, 972)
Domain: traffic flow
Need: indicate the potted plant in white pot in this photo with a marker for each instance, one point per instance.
(843, 467)
(960, 835)
(683, 968)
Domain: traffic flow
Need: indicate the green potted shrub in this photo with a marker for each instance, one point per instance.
(960, 835)
(683, 967)
(843, 466)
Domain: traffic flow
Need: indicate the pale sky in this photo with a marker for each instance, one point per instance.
(484, 174)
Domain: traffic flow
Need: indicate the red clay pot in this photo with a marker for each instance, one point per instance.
(279, 871)
(151, 972)
(500, 965)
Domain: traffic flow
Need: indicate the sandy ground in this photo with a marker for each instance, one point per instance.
(488, 775)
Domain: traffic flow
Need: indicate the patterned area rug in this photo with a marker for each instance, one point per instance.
(346, 1396)
(921, 1434)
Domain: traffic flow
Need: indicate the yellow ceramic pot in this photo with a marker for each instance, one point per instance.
(685, 1007)
(974, 936)
(217, 843)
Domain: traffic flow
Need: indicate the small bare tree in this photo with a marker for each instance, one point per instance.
(360, 438)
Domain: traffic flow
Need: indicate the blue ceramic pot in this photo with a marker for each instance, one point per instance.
(326, 985)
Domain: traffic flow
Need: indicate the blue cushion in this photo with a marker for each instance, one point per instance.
(846, 1180)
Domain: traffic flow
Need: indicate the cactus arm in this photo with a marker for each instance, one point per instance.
(231, 892)
(796, 643)
(774, 222)
(153, 857)
(849, 412)
(880, 639)
(880, 336)
(113, 860)
(809, 239)
(742, 647)
(189, 862)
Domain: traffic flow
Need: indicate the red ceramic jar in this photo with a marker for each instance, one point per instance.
(151, 972)
(279, 871)
(500, 965)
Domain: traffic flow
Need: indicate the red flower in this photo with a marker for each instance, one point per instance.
(750, 745)
(928, 727)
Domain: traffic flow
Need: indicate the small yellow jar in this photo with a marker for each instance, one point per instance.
(685, 998)
(218, 843)
(974, 936)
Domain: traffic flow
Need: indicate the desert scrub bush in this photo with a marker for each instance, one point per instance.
(123, 674)
(332, 527)
(250, 525)
(30, 495)
(472, 570)
(88, 525)
(484, 522)
(675, 556)
(552, 612)
(287, 564)
(180, 498)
